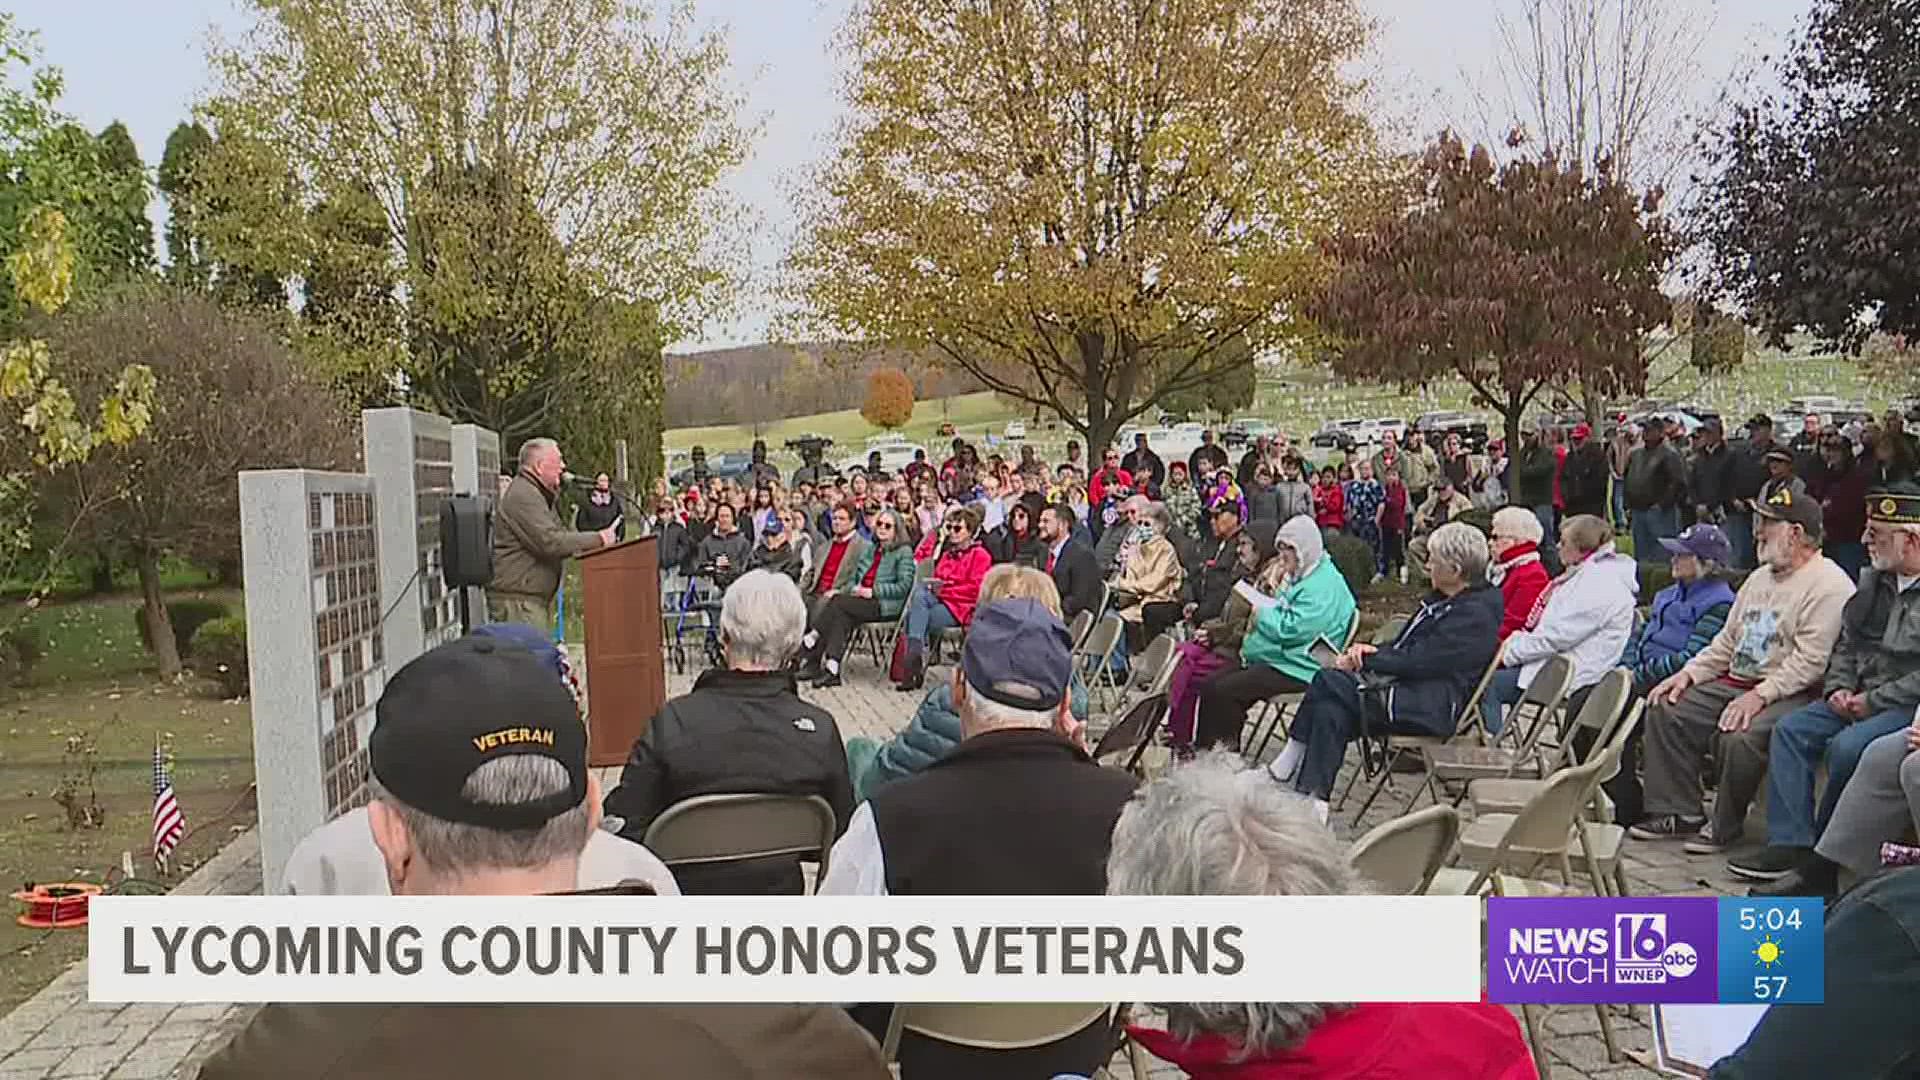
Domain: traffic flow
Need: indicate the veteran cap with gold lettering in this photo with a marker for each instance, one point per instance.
(455, 708)
(1895, 504)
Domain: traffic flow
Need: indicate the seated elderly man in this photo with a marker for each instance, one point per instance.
(1276, 653)
(1017, 808)
(1116, 538)
(1432, 665)
(1212, 828)
(1585, 613)
(457, 813)
(1763, 664)
(1872, 686)
(1880, 803)
(340, 858)
(743, 729)
(1146, 593)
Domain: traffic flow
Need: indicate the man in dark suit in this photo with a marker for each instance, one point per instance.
(1069, 561)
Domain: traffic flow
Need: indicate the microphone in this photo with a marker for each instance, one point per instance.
(576, 480)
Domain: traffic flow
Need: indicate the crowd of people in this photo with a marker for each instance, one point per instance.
(989, 786)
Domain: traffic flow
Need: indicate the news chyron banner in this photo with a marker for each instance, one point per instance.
(783, 949)
(1656, 950)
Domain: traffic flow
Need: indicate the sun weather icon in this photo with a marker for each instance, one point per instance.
(1768, 952)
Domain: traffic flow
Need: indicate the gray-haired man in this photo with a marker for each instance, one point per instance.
(530, 543)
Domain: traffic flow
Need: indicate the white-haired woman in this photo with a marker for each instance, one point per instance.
(1516, 566)
(1430, 669)
(1212, 828)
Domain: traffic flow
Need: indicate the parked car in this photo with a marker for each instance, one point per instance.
(726, 465)
(1384, 424)
(1244, 430)
(1016, 429)
(1338, 434)
(893, 457)
(1436, 426)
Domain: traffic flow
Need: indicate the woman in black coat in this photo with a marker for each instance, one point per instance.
(1432, 665)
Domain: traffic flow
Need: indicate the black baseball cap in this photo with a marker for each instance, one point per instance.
(1019, 654)
(461, 705)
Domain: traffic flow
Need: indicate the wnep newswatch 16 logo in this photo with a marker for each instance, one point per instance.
(1577, 950)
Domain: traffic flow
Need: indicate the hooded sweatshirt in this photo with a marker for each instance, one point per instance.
(1588, 616)
(1316, 603)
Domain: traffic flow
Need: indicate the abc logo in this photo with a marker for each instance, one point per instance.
(1680, 960)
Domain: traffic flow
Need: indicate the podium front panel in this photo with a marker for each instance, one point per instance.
(626, 668)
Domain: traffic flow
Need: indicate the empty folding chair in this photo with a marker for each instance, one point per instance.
(1458, 763)
(1605, 708)
(1402, 855)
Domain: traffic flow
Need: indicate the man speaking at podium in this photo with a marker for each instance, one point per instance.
(530, 543)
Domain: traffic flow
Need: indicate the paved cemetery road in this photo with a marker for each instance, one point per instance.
(114, 764)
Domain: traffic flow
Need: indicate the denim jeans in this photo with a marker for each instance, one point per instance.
(1739, 530)
(1544, 512)
(1618, 504)
(1502, 691)
(1799, 741)
(1650, 526)
(926, 615)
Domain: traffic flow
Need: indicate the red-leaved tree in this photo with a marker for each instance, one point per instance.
(1513, 278)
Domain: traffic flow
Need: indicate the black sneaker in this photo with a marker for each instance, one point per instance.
(1666, 827)
(1770, 863)
(826, 680)
(1822, 881)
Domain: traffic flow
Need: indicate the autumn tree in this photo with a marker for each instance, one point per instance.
(1512, 278)
(1088, 199)
(228, 395)
(889, 401)
(1810, 216)
(590, 132)
(1232, 392)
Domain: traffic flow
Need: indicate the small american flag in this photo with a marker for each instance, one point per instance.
(169, 824)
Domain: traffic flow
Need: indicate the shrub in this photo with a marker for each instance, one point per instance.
(220, 653)
(187, 617)
(1354, 558)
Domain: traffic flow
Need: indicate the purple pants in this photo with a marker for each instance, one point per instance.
(1197, 662)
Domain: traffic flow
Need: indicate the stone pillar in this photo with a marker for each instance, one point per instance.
(409, 454)
(476, 471)
(314, 648)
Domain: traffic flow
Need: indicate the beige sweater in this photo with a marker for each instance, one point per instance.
(1780, 631)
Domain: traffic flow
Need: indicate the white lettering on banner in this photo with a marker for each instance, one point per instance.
(784, 949)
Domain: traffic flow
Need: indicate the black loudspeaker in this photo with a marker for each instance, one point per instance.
(466, 541)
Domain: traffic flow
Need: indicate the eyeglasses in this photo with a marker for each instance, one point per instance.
(956, 526)
(883, 524)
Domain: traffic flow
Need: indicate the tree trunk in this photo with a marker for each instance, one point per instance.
(166, 651)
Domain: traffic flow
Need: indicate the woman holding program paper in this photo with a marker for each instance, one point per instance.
(1276, 655)
(1417, 684)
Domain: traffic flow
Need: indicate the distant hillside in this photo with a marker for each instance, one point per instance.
(758, 383)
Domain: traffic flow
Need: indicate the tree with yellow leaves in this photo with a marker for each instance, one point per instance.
(1088, 205)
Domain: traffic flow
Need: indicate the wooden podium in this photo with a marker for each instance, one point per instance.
(626, 669)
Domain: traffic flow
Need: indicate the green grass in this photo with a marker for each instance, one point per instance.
(1300, 400)
(97, 682)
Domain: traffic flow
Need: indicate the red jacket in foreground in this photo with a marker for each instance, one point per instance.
(1370, 1042)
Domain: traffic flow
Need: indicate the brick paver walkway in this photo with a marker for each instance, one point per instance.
(58, 1035)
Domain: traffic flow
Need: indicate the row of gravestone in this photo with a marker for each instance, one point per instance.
(343, 585)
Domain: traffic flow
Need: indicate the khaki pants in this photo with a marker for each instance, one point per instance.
(534, 611)
(1677, 740)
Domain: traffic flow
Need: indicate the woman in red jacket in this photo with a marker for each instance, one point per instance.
(945, 600)
(1329, 501)
(1516, 569)
(1170, 841)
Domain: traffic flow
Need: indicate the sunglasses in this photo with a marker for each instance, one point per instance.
(956, 526)
(883, 524)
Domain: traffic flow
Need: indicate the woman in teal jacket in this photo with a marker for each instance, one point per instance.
(1275, 656)
(935, 728)
(882, 579)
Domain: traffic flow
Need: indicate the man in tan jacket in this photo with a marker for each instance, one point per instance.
(530, 543)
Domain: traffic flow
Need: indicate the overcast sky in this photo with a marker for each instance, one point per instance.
(140, 61)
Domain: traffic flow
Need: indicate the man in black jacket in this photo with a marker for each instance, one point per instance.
(1583, 479)
(1018, 808)
(1206, 459)
(1656, 482)
(1710, 481)
(743, 729)
(1207, 590)
(1142, 463)
(1069, 562)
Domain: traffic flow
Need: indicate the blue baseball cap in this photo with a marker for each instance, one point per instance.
(1701, 541)
(773, 526)
(1019, 654)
